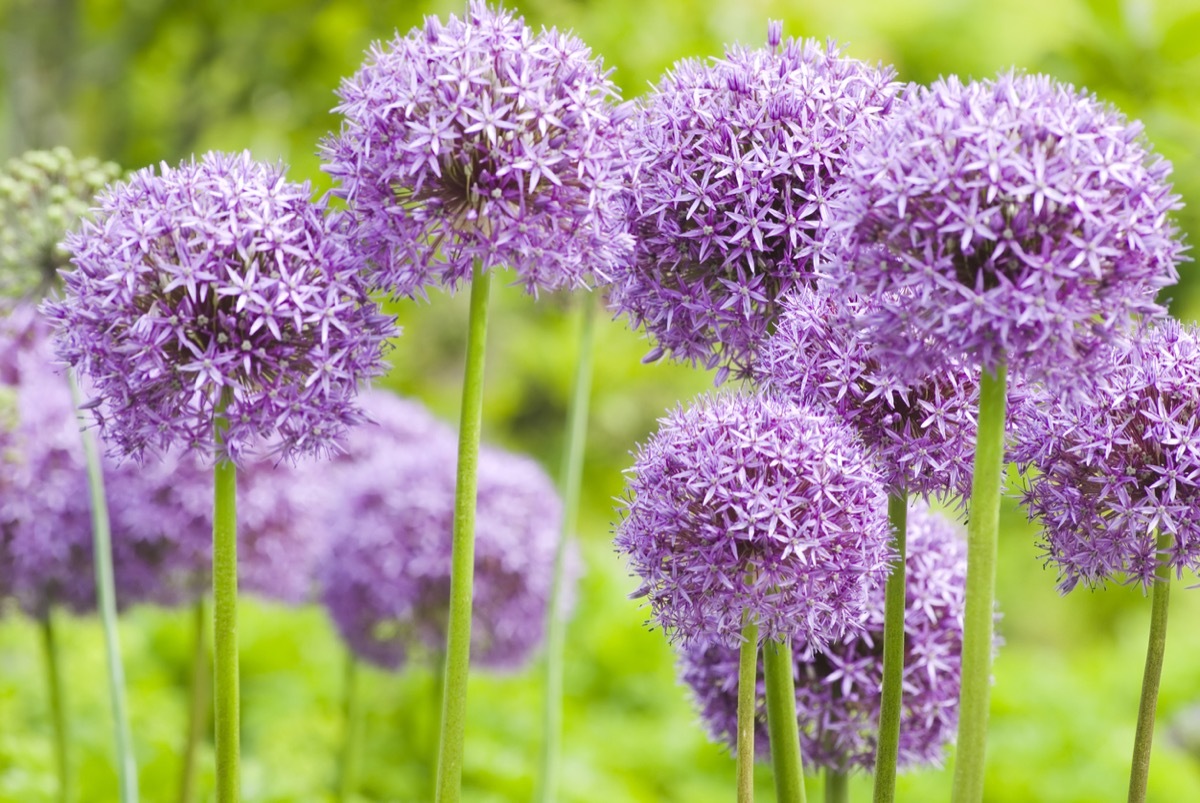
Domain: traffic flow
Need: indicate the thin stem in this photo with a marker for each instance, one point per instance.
(198, 696)
(979, 616)
(106, 605)
(352, 725)
(462, 571)
(893, 656)
(1139, 774)
(556, 622)
(58, 716)
(225, 638)
(837, 787)
(782, 724)
(747, 702)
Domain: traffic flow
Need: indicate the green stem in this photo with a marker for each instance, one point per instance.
(979, 617)
(106, 605)
(352, 725)
(837, 787)
(893, 656)
(225, 637)
(58, 716)
(462, 571)
(1139, 774)
(556, 621)
(747, 703)
(782, 724)
(198, 698)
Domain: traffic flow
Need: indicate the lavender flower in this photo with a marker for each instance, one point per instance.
(42, 193)
(733, 161)
(838, 689)
(478, 140)
(218, 284)
(390, 515)
(747, 503)
(160, 510)
(1117, 466)
(1012, 219)
(922, 431)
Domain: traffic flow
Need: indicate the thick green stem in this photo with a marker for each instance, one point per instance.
(556, 620)
(782, 724)
(1139, 775)
(352, 728)
(837, 787)
(58, 717)
(225, 638)
(198, 703)
(462, 571)
(747, 703)
(979, 617)
(893, 656)
(106, 605)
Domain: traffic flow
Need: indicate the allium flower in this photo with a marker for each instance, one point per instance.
(218, 279)
(1120, 464)
(479, 140)
(748, 503)
(733, 160)
(838, 690)
(42, 193)
(160, 510)
(1012, 219)
(390, 516)
(922, 431)
(162, 531)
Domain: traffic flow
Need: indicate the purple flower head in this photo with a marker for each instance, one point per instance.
(160, 510)
(218, 279)
(749, 503)
(42, 194)
(838, 689)
(921, 431)
(1012, 219)
(733, 160)
(477, 140)
(1121, 464)
(162, 530)
(390, 517)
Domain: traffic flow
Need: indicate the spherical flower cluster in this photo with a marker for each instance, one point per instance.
(922, 431)
(733, 160)
(42, 194)
(390, 515)
(218, 286)
(1121, 464)
(745, 503)
(477, 140)
(1012, 219)
(162, 530)
(160, 511)
(838, 691)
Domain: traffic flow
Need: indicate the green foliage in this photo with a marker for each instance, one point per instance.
(139, 82)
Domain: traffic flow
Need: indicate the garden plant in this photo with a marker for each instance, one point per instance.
(853, 364)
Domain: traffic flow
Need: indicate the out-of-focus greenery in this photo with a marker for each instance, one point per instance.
(139, 81)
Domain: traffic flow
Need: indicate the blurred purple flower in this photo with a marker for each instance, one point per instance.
(389, 513)
(838, 690)
(479, 140)
(218, 278)
(1015, 218)
(1119, 465)
(921, 431)
(748, 503)
(160, 510)
(733, 160)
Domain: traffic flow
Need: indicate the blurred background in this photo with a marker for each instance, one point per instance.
(139, 81)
